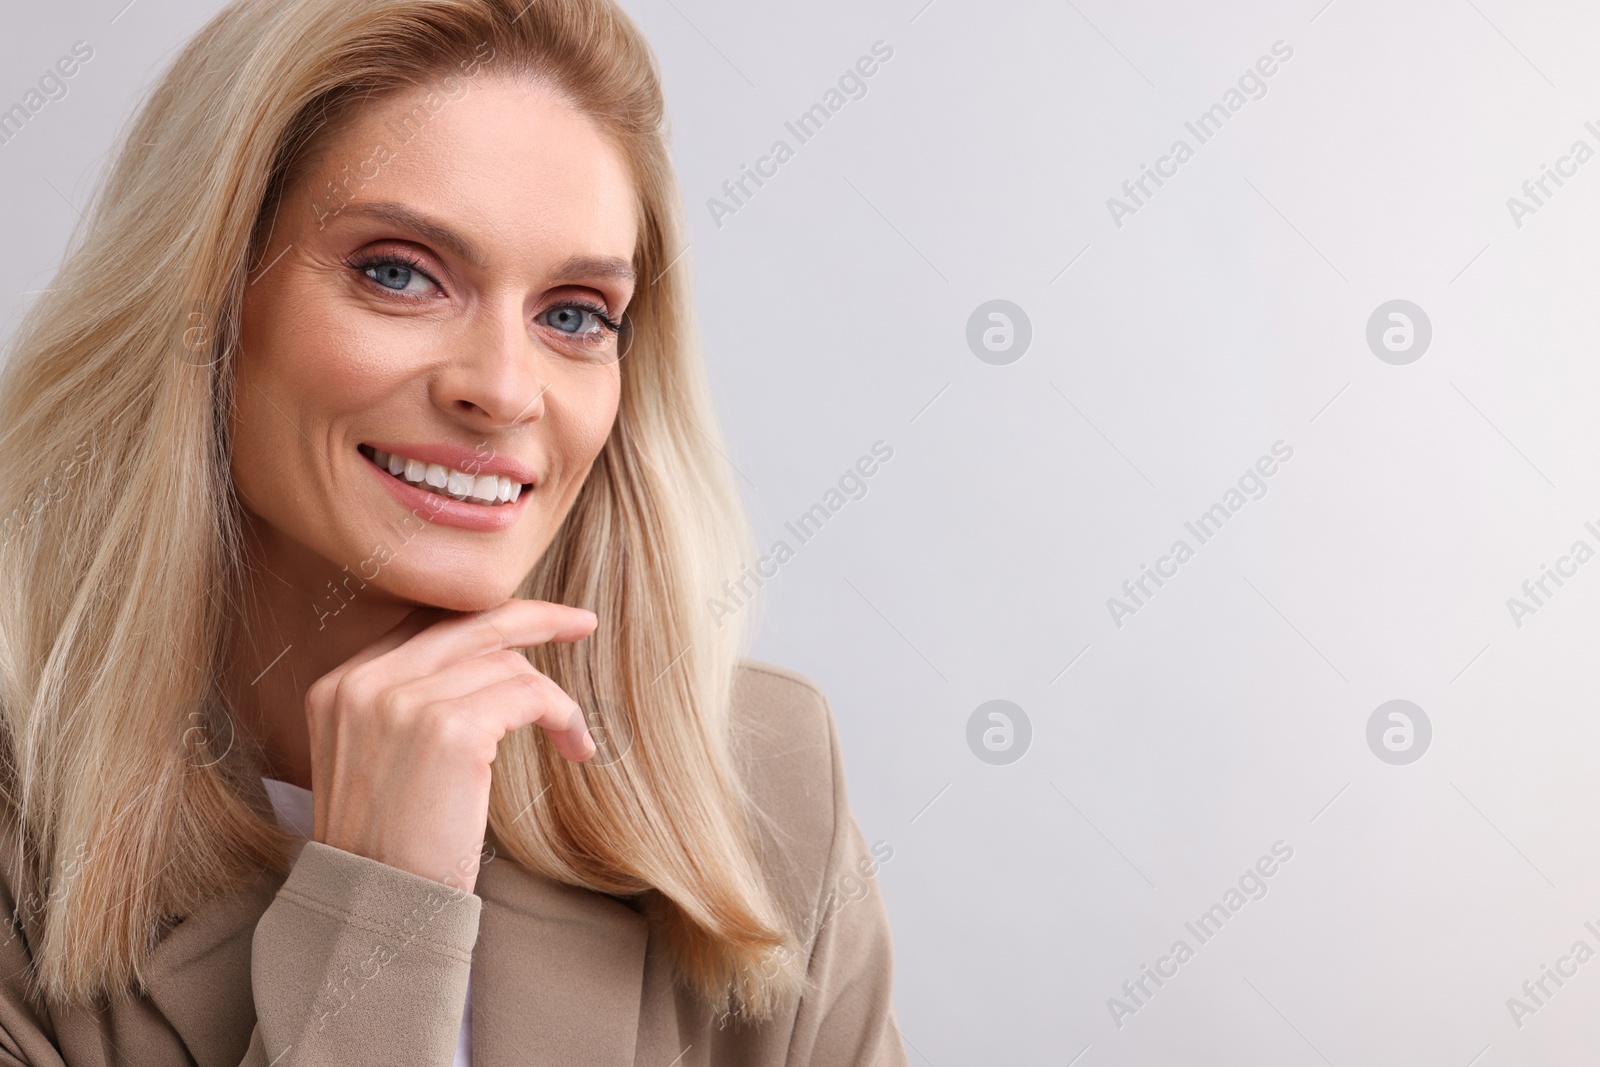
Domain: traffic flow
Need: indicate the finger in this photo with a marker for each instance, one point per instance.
(516, 623)
(469, 676)
(512, 703)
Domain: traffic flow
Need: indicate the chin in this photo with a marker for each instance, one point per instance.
(456, 592)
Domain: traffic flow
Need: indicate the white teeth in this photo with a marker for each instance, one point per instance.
(459, 485)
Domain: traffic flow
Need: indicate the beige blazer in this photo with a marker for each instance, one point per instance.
(351, 961)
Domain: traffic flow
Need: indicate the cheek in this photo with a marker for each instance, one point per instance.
(590, 422)
(316, 357)
(575, 434)
(302, 369)
(302, 365)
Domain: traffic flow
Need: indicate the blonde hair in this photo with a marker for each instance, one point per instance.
(120, 600)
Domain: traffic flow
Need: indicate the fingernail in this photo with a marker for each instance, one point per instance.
(592, 616)
(589, 746)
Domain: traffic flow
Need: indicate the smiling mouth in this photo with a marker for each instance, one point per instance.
(488, 490)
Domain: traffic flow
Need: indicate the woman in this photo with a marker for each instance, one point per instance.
(379, 341)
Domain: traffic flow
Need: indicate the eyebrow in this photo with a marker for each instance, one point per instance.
(408, 218)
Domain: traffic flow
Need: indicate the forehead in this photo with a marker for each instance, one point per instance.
(504, 160)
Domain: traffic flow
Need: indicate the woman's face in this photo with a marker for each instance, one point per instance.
(441, 288)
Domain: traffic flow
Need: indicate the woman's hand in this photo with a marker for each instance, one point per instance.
(403, 732)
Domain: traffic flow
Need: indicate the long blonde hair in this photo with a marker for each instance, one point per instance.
(126, 794)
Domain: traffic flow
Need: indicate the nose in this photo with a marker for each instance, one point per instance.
(495, 379)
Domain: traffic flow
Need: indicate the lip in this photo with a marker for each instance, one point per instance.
(484, 518)
(463, 459)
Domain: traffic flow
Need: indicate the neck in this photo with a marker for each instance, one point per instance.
(297, 618)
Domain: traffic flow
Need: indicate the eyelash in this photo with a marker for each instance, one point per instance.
(592, 308)
(401, 259)
(363, 264)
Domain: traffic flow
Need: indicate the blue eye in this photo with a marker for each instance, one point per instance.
(394, 272)
(585, 323)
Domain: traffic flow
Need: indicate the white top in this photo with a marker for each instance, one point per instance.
(292, 805)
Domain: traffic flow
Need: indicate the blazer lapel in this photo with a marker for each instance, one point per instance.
(557, 973)
(199, 974)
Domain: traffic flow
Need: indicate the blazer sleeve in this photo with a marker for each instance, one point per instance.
(846, 1018)
(354, 961)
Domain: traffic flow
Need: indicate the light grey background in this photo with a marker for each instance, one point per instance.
(1168, 354)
